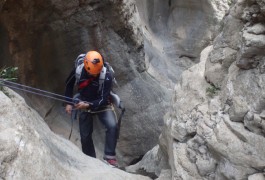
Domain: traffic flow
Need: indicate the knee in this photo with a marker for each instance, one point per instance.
(112, 127)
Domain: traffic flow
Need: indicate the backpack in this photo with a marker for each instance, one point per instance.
(79, 65)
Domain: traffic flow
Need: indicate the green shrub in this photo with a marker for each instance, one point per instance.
(9, 73)
(212, 90)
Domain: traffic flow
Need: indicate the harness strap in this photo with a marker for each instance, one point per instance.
(107, 108)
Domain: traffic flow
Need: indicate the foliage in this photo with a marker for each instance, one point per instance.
(9, 73)
(212, 90)
(230, 2)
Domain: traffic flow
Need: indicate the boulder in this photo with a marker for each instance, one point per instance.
(30, 150)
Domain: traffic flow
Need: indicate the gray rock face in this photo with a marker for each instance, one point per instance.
(215, 129)
(149, 44)
(2, 3)
(174, 34)
(212, 140)
(154, 161)
(45, 37)
(30, 150)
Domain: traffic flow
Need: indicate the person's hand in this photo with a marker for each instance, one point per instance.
(68, 109)
(82, 105)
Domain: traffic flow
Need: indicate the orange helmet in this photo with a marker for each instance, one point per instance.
(93, 62)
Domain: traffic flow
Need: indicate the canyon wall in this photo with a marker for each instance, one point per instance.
(148, 43)
(215, 127)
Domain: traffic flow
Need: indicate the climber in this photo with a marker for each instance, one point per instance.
(94, 100)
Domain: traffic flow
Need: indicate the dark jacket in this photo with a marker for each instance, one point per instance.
(91, 92)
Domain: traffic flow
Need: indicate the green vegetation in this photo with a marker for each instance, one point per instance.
(212, 90)
(9, 73)
(230, 2)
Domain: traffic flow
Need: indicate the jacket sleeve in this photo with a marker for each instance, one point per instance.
(69, 86)
(103, 94)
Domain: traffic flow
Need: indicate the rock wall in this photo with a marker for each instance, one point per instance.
(215, 128)
(149, 44)
(175, 32)
(30, 150)
(44, 38)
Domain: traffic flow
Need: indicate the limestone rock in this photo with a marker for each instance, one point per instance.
(30, 150)
(222, 136)
(43, 38)
(149, 44)
(153, 162)
(258, 176)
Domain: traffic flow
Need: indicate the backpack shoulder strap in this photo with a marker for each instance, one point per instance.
(102, 77)
(79, 64)
(111, 70)
(79, 60)
(78, 72)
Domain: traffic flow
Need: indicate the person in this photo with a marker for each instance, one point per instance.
(94, 101)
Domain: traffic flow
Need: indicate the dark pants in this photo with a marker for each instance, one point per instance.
(108, 119)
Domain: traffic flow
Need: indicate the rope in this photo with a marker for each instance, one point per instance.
(36, 91)
(57, 97)
(74, 115)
